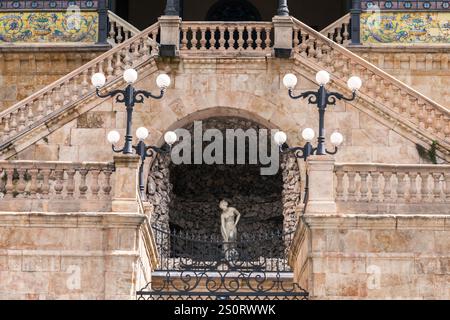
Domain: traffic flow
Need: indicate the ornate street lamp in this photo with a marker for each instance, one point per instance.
(130, 96)
(323, 99)
(143, 150)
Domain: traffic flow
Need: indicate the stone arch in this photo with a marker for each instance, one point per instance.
(160, 187)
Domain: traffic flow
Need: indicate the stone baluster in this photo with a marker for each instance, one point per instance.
(375, 190)
(13, 123)
(119, 65)
(95, 186)
(364, 190)
(6, 128)
(184, 37)
(195, 41)
(222, 40)
(437, 185)
(447, 186)
(22, 121)
(241, 41)
(430, 117)
(57, 98)
(412, 107)
(33, 184)
(9, 186)
(421, 115)
(59, 186)
(339, 38)
(401, 186)
(304, 45)
(387, 185)
(45, 189)
(296, 40)
(85, 83)
(112, 32)
(83, 188)
(119, 36)
(413, 190)
(21, 183)
(70, 189)
(110, 68)
(351, 192)
(346, 33)
(107, 182)
(203, 41)
(424, 186)
(340, 185)
(258, 40)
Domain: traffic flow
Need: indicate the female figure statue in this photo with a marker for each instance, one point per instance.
(229, 220)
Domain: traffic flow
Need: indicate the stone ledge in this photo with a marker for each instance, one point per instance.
(377, 221)
(71, 220)
(53, 47)
(421, 48)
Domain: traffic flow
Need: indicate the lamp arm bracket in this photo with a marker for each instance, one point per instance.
(120, 93)
(312, 96)
(332, 97)
(140, 94)
(336, 149)
(117, 150)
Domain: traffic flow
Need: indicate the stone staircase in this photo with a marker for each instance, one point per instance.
(385, 98)
(58, 103)
(389, 100)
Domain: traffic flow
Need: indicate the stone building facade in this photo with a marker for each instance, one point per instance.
(376, 219)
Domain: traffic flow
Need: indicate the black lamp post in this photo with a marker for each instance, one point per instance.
(143, 150)
(322, 98)
(283, 9)
(130, 96)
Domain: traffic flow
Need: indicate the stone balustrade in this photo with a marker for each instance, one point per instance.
(392, 183)
(67, 92)
(357, 188)
(381, 92)
(119, 29)
(55, 186)
(338, 31)
(227, 37)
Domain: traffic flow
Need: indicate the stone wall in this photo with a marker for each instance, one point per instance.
(374, 257)
(72, 256)
(23, 72)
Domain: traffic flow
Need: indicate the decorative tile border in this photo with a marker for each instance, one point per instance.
(48, 27)
(47, 5)
(406, 5)
(405, 27)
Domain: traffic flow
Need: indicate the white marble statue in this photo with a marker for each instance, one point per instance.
(229, 220)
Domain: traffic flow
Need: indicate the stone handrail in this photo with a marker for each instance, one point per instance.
(226, 36)
(392, 183)
(395, 101)
(120, 30)
(69, 186)
(73, 88)
(339, 31)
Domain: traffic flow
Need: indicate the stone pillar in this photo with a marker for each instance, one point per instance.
(320, 171)
(170, 35)
(356, 22)
(102, 22)
(283, 26)
(125, 183)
